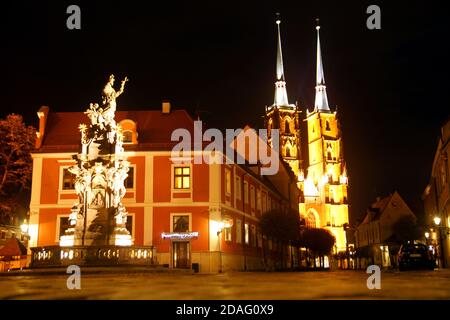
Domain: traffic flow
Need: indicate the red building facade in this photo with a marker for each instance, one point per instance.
(192, 213)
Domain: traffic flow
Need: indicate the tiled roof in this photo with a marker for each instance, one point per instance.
(154, 129)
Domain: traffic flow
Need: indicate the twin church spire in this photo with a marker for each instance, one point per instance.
(321, 101)
(281, 98)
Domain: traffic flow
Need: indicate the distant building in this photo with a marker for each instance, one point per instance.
(437, 197)
(205, 214)
(375, 240)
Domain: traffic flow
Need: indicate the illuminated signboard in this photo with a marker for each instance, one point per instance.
(179, 235)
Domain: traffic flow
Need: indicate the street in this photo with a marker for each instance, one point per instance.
(340, 284)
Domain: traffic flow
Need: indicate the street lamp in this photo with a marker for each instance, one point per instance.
(226, 223)
(427, 235)
(24, 226)
(437, 220)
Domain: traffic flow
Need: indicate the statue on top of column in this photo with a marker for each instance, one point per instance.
(109, 96)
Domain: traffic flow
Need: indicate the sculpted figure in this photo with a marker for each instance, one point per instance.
(109, 99)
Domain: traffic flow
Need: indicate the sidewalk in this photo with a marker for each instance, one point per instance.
(97, 270)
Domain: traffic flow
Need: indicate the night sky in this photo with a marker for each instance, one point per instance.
(217, 58)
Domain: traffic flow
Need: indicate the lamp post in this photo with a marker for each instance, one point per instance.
(219, 238)
(24, 227)
(227, 223)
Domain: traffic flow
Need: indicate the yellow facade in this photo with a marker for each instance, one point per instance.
(325, 185)
(286, 119)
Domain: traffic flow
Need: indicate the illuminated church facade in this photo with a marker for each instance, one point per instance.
(323, 180)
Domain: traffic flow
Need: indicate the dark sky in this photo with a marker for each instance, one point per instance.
(218, 57)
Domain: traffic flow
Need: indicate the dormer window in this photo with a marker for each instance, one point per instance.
(129, 131)
(127, 136)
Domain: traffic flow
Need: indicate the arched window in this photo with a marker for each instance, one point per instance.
(288, 152)
(286, 126)
(129, 131)
(310, 220)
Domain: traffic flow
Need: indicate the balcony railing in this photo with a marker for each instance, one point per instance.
(55, 256)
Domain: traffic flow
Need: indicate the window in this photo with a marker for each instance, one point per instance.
(258, 199)
(227, 181)
(13, 235)
(329, 151)
(129, 224)
(127, 136)
(443, 174)
(68, 180)
(286, 126)
(264, 202)
(288, 152)
(246, 234)
(252, 197)
(182, 178)
(63, 225)
(181, 223)
(310, 220)
(238, 188)
(327, 125)
(260, 240)
(246, 192)
(3, 235)
(129, 181)
(253, 236)
(238, 231)
(227, 233)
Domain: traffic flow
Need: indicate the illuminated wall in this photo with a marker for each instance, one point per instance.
(286, 119)
(326, 182)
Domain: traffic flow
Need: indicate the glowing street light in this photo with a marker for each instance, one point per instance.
(437, 221)
(24, 226)
(427, 235)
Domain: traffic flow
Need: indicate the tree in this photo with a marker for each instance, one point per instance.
(406, 229)
(17, 143)
(319, 241)
(280, 226)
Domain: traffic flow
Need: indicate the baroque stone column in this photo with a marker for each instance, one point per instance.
(99, 217)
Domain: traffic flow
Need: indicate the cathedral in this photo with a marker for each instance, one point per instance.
(323, 178)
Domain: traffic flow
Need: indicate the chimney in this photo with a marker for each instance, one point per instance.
(43, 115)
(166, 107)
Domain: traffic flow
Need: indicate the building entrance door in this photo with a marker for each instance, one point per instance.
(181, 254)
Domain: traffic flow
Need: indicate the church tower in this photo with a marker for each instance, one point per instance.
(284, 116)
(325, 186)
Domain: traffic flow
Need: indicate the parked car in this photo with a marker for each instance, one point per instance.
(415, 256)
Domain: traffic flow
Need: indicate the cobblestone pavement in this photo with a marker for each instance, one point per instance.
(342, 284)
